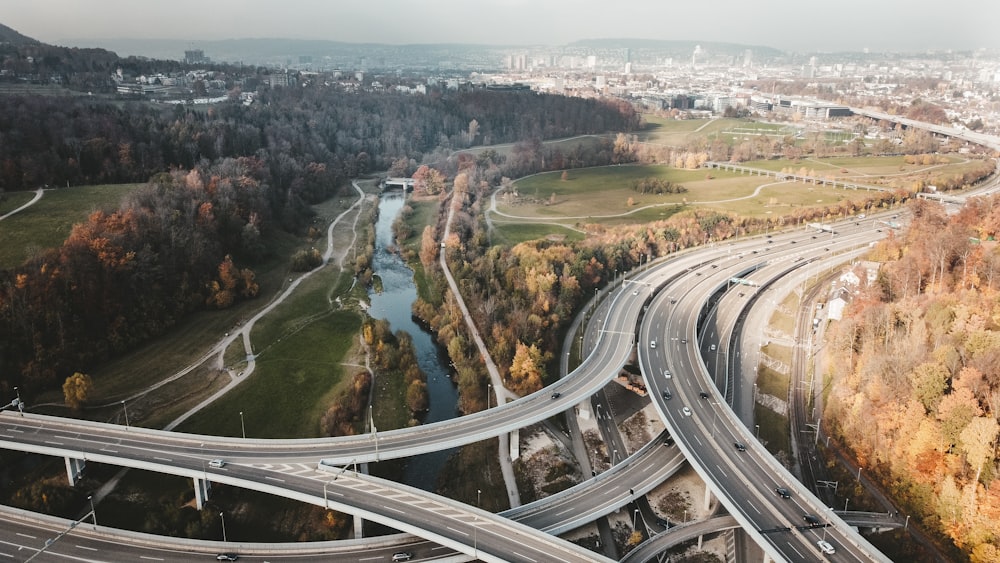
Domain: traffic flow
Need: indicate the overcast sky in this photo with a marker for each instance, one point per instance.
(799, 25)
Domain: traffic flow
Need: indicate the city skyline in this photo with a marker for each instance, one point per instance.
(849, 25)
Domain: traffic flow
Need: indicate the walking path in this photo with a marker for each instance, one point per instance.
(220, 348)
(503, 394)
(34, 200)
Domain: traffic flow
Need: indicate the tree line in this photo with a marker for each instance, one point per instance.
(222, 180)
(915, 373)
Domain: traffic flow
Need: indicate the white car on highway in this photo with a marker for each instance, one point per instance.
(825, 547)
(686, 411)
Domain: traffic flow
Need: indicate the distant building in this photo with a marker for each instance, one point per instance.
(195, 57)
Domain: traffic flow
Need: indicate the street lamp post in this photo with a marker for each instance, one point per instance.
(223, 517)
(93, 512)
(20, 403)
(125, 410)
(635, 519)
(479, 493)
(489, 389)
(243, 427)
(756, 428)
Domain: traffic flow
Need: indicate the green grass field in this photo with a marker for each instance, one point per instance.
(47, 223)
(608, 189)
(510, 234)
(12, 200)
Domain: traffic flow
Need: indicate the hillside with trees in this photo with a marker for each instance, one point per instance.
(914, 373)
(224, 179)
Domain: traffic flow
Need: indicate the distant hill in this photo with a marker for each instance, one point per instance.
(278, 51)
(678, 47)
(9, 36)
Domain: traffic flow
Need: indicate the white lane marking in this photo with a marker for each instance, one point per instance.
(522, 555)
(754, 507)
(698, 440)
(565, 511)
(371, 558)
(393, 509)
(795, 550)
(151, 558)
(109, 451)
(53, 443)
(27, 536)
(85, 547)
(721, 471)
(162, 458)
(466, 534)
(268, 477)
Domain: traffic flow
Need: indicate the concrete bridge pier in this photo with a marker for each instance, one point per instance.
(708, 499)
(74, 469)
(202, 488)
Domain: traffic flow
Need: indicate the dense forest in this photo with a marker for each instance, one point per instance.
(915, 373)
(222, 180)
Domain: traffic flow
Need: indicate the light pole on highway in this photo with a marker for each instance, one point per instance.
(93, 512)
(479, 493)
(635, 519)
(489, 389)
(371, 420)
(125, 410)
(243, 427)
(223, 518)
(20, 403)
(756, 428)
(614, 456)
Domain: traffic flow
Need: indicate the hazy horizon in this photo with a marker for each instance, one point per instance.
(849, 25)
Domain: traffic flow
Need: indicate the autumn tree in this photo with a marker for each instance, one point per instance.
(77, 389)
(527, 370)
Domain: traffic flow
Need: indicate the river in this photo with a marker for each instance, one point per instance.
(394, 304)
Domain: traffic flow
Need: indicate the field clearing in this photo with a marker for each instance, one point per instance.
(48, 223)
(777, 199)
(13, 200)
(659, 129)
(292, 387)
(678, 135)
(602, 195)
(511, 234)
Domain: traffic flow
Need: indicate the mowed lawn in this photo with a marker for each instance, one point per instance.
(48, 222)
(602, 194)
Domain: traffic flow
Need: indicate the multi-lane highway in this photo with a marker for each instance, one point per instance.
(744, 476)
(169, 451)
